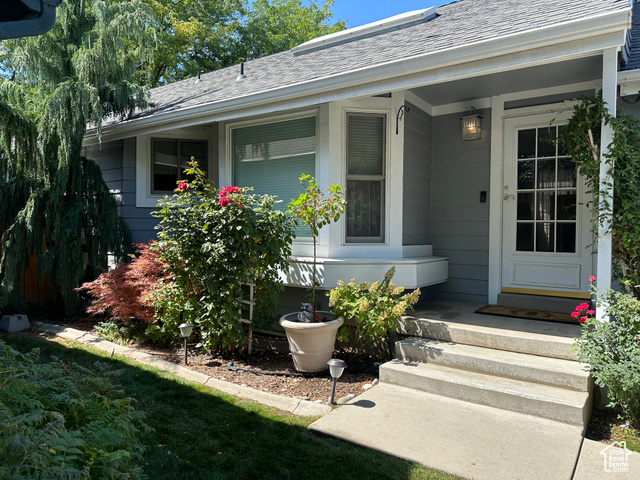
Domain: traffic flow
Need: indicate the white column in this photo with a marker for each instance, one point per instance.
(609, 89)
(495, 199)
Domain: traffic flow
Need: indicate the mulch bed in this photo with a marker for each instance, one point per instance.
(358, 376)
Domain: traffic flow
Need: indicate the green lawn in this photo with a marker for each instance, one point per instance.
(203, 434)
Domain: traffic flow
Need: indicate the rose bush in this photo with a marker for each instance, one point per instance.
(213, 242)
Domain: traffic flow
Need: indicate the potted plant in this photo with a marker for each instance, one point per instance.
(312, 334)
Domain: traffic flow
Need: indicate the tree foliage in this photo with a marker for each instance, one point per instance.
(582, 139)
(80, 72)
(206, 35)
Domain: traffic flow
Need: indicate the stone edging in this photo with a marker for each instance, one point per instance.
(296, 406)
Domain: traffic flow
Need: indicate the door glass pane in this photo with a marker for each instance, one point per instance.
(525, 206)
(546, 207)
(524, 237)
(526, 173)
(527, 143)
(566, 173)
(546, 173)
(566, 204)
(165, 165)
(544, 237)
(546, 147)
(364, 208)
(562, 148)
(566, 238)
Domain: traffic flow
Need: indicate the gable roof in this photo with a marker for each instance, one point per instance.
(458, 24)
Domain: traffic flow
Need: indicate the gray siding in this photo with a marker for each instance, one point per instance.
(416, 177)
(459, 222)
(118, 163)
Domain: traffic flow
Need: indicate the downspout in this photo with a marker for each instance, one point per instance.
(604, 242)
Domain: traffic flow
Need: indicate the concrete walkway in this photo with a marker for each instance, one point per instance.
(461, 438)
(288, 404)
(466, 439)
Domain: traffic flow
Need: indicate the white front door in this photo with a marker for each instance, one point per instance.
(546, 222)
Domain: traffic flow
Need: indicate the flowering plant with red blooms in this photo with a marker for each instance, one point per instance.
(223, 195)
(584, 311)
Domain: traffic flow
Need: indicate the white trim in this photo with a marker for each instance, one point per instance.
(411, 97)
(609, 90)
(487, 102)
(144, 197)
(503, 53)
(495, 199)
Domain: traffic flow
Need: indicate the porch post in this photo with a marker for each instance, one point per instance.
(609, 90)
(496, 200)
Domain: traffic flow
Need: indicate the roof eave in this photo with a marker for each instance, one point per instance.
(614, 22)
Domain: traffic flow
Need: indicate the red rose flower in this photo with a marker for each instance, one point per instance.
(592, 278)
(583, 319)
(182, 186)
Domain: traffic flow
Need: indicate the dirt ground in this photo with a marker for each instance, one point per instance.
(269, 371)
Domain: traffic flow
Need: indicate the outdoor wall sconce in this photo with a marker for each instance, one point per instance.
(185, 331)
(471, 126)
(336, 367)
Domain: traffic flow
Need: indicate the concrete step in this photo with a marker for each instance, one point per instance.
(530, 368)
(544, 401)
(458, 322)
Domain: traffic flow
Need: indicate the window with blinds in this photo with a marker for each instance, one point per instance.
(170, 157)
(271, 157)
(366, 159)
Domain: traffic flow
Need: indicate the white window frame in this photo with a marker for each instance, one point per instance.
(178, 141)
(145, 197)
(384, 238)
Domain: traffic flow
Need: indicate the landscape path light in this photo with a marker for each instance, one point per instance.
(185, 331)
(336, 367)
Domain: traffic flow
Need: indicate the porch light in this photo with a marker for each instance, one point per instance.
(471, 126)
(185, 331)
(336, 367)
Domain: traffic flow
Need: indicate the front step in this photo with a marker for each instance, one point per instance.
(458, 322)
(553, 403)
(518, 366)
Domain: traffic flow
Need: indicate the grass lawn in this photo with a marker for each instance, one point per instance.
(203, 434)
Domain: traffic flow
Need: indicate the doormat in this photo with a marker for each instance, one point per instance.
(525, 313)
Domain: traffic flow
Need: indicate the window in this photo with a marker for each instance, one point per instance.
(271, 157)
(366, 159)
(166, 168)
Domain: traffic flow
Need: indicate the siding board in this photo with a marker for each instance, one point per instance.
(460, 223)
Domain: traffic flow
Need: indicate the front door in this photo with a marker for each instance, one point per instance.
(546, 222)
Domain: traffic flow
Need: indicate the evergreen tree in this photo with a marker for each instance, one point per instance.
(79, 73)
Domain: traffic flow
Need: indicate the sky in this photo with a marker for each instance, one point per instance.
(360, 12)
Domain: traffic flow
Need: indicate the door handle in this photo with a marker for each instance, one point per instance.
(509, 196)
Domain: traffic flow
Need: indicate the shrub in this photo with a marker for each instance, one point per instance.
(122, 292)
(613, 351)
(62, 420)
(376, 308)
(213, 242)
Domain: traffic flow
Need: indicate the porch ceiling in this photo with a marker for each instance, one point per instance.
(523, 79)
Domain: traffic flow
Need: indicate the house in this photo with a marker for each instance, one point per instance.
(436, 122)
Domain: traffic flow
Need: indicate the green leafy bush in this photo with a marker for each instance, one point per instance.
(65, 421)
(582, 138)
(376, 308)
(613, 351)
(213, 242)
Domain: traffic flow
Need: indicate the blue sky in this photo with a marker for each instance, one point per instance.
(359, 12)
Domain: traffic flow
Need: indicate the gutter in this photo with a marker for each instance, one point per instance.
(585, 28)
(36, 26)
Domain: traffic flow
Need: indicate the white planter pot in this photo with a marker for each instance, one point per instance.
(311, 344)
